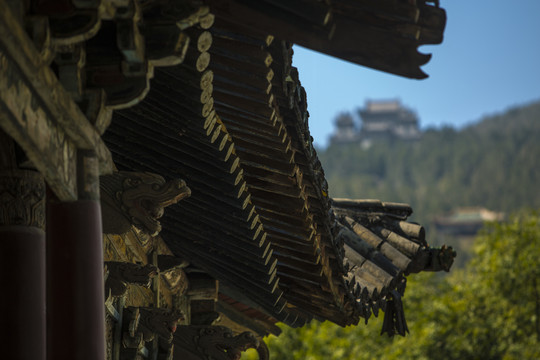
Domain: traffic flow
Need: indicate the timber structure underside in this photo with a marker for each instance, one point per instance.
(180, 172)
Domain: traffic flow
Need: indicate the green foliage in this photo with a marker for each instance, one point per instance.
(491, 310)
(492, 164)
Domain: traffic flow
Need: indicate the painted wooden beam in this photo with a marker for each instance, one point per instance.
(39, 114)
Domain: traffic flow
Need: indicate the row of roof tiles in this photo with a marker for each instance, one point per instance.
(232, 121)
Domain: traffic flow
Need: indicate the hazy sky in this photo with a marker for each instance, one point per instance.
(489, 61)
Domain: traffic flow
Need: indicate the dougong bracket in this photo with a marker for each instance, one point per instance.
(122, 273)
(212, 342)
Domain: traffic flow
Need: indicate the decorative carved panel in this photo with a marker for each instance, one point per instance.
(38, 113)
(22, 198)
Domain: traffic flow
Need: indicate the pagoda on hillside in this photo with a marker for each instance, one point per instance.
(380, 120)
(346, 130)
(388, 119)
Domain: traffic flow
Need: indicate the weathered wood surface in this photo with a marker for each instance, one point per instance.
(404, 245)
(211, 342)
(205, 149)
(414, 231)
(256, 162)
(366, 238)
(267, 193)
(39, 114)
(250, 284)
(316, 189)
(137, 199)
(371, 207)
(120, 274)
(397, 11)
(389, 32)
(380, 249)
(246, 319)
(249, 155)
(266, 18)
(366, 250)
(202, 287)
(130, 249)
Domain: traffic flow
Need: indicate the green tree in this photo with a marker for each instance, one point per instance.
(491, 310)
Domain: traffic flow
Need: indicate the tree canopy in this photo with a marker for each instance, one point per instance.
(490, 310)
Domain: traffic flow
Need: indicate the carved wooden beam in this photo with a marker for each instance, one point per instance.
(132, 341)
(22, 194)
(170, 262)
(262, 351)
(71, 21)
(202, 294)
(102, 62)
(130, 198)
(159, 322)
(142, 326)
(211, 342)
(39, 114)
(122, 273)
(133, 38)
(433, 259)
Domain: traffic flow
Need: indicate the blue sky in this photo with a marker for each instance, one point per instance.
(489, 61)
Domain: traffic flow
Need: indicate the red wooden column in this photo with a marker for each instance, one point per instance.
(22, 264)
(75, 289)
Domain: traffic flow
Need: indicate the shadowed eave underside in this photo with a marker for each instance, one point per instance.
(380, 34)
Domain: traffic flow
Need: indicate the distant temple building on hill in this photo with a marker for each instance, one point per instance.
(388, 120)
(381, 120)
(346, 130)
(466, 221)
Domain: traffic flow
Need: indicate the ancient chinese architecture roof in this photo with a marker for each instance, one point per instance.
(380, 34)
(126, 107)
(232, 121)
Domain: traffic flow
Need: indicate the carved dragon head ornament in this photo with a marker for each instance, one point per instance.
(141, 198)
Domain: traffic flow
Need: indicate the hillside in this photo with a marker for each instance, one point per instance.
(493, 163)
